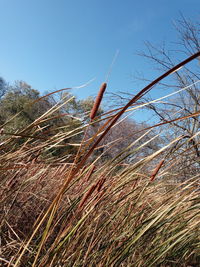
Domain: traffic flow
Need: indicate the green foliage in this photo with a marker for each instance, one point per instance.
(18, 100)
(22, 106)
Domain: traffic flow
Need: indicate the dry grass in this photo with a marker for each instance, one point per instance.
(73, 214)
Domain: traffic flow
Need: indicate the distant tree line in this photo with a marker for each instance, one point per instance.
(22, 106)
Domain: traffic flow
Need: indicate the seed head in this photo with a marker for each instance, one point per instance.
(98, 101)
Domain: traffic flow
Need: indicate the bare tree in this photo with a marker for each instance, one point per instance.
(187, 100)
(186, 84)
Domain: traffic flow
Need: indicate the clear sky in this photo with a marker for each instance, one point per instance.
(52, 44)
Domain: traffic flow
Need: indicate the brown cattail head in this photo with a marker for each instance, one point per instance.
(156, 170)
(89, 174)
(101, 183)
(98, 101)
(87, 195)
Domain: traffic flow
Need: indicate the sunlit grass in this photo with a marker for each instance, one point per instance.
(90, 212)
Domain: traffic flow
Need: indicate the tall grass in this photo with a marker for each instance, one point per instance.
(60, 213)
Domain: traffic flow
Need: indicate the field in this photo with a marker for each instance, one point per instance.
(94, 212)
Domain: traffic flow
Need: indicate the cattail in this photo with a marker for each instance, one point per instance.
(89, 174)
(87, 195)
(98, 101)
(156, 170)
(101, 183)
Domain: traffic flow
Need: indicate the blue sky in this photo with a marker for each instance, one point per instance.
(52, 44)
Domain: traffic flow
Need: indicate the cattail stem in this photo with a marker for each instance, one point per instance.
(98, 101)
